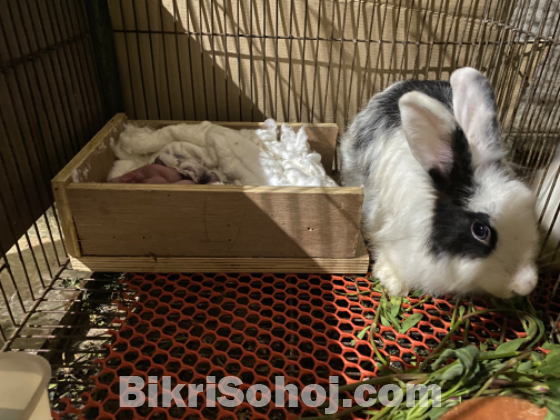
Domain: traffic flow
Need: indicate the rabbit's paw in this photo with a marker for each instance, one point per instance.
(385, 273)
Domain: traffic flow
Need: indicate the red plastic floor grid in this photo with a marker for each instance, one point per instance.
(256, 327)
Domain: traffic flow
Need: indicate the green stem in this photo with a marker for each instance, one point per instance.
(364, 292)
(491, 391)
(439, 347)
(372, 334)
(454, 328)
(506, 367)
(541, 332)
(503, 332)
(452, 391)
(381, 413)
(493, 356)
(467, 325)
(454, 315)
(385, 380)
(417, 409)
(416, 305)
(524, 384)
(531, 307)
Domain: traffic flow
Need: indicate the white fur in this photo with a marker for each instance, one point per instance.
(511, 205)
(400, 198)
(470, 106)
(546, 187)
(241, 157)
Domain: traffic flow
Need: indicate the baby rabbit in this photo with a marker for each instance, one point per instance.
(442, 210)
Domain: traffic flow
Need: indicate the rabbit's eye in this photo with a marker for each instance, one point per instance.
(481, 232)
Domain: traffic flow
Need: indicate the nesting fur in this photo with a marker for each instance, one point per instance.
(244, 157)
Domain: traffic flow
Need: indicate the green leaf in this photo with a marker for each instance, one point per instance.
(483, 346)
(554, 386)
(551, 416)
(382, 303)
(382, 370)
(551, 363)
(510, 346)
(396, 302)
(550, 346)
(453, 372)
(444, 356)
(361, 334)
(467, 357)
(394, 322)
(526, 322)
(436, 412)
(537, 356)
(494, 365)
(416, 294)
(541, 331)
(461, 311)
(384, 321)
(526, 366)
(553, 406)
(516, 376)
(410, 322)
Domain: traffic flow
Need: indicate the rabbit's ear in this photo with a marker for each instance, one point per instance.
(428, 126)
(474, 106)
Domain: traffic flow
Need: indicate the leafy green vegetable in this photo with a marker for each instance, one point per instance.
(512, 345)
(396, 302)
(410, 322)
(553, 406)
(551, 363)
(515, 368)
(361, 334)
(437, 412)
(385, 322)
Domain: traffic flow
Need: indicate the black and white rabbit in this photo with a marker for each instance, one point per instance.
(442, 210)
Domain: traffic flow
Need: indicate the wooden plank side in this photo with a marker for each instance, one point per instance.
(200, 221)
(322, 137)
(94, 155)
(357, 265)
(97, 156)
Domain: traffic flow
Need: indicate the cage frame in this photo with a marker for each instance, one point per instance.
(66, 67)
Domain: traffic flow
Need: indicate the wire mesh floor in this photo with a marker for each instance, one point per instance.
(254, 327)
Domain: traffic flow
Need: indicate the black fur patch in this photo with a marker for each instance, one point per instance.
(451, 229)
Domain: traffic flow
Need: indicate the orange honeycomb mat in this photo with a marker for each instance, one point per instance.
(256, 327)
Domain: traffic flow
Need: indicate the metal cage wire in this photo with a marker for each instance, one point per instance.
(237, 60)
(50, 107)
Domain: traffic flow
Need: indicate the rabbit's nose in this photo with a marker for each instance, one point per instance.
(525, 280)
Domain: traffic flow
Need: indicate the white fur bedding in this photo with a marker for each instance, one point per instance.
(240, 157)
